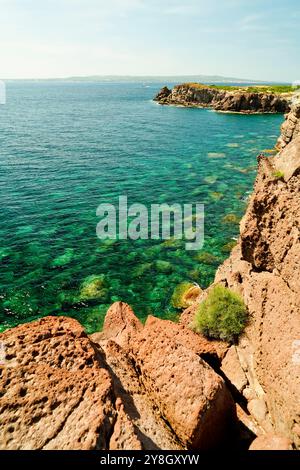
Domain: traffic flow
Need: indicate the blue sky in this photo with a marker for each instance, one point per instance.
(258, 39)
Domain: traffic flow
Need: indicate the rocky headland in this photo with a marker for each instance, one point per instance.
(246, 100)
(161, 385)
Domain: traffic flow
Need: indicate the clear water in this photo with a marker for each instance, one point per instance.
(67, 147)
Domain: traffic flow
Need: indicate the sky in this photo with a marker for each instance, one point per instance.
(253, 39)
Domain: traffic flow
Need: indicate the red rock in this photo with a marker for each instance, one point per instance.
(120, 324)
(190, 395)
(54, 392)
(149, 425)
(271, 442)
(124, 436)
(232, 368)
(265, 269)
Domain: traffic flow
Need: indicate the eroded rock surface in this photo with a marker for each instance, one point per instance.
(290, 129)
(55, 393)
(128, 387)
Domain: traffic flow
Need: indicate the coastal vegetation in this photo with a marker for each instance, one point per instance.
(278, 175)
(276, 89)
(222, 315)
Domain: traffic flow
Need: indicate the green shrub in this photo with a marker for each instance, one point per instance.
(222, 315)
(278, 175)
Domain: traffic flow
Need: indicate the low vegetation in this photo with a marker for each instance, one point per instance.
(222, 315)
(278, 175)
(275, 89)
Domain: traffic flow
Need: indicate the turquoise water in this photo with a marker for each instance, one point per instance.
(67, 147)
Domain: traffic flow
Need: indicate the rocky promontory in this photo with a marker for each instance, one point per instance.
(246, 100)
(161, 385)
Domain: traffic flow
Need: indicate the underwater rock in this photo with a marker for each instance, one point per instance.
(273, 151)
(185, 294)
(141, 269)
(216, 196)
(210, 179)
(231, 219)
(216, 155)
(233, 145)
(228, 246)
(172, 243)
(164, 266)
(93, 288)
(63, 259)
(206, 258)
(4, 253)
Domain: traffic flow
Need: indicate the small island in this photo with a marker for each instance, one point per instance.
(259, 99)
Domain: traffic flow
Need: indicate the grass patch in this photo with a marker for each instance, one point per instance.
(222, 315)
(275, 89)
(279, 175)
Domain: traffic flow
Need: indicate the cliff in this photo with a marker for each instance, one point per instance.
(247, 100)
(265, 269)
(160, 385)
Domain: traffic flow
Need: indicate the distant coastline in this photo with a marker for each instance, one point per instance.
(207, 79)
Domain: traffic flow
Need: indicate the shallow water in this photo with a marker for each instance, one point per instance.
(66, 148)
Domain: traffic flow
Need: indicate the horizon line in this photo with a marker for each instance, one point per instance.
(133, 76)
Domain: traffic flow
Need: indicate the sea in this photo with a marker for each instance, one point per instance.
(67, 147)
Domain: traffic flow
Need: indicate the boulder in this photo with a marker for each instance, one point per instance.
(232, 368)
(55, 394)
(124, 436)
(120, 324)
(271, 442)
(192, 398)
(149, 425)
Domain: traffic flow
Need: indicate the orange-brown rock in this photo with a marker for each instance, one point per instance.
(190, 395)
(120, 324)
(290, 129)
(271, 442)
(55, 394)
(232, 368)
(60, 390)
(149, 425)
(211, 350)
(124, 436)
(265, 269)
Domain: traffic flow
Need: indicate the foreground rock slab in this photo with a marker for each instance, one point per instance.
(191, 396)
(129, 387)
(54, 392)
